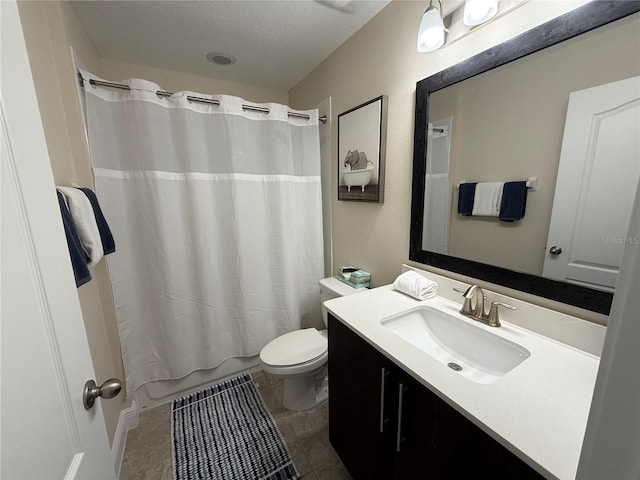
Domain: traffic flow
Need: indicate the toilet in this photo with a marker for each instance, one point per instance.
(300, 357)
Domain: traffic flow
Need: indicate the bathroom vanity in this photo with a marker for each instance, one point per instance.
(406, 431)
(397, 412)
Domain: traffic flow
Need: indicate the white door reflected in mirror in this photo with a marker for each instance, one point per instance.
(602, 125)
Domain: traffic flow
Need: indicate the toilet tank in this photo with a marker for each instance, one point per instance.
(331, 287)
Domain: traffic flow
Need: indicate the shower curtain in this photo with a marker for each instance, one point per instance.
(216, 212)
(435, 236)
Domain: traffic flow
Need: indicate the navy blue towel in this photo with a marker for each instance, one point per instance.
(108, 244)
(78, 258)
(514, 201)
(466, 194)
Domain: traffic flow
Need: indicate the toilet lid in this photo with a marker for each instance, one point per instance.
(294, 347)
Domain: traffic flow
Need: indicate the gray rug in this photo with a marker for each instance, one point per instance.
(225, 432)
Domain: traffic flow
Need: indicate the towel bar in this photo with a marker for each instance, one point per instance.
(532, 183)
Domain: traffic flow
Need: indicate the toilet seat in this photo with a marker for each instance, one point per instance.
(295, 352)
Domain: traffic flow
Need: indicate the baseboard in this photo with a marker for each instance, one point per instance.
(128, 420)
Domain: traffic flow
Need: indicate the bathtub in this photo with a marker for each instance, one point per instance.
(359, 178)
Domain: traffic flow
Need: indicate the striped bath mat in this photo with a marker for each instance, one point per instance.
(225, 432)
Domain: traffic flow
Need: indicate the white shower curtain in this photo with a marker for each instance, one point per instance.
(216, 212)
(435, 224)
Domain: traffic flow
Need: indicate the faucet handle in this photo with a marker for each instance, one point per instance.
(502, 304)
(465, 290)
(493, 317)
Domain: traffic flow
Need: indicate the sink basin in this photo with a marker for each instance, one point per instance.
(471, 351)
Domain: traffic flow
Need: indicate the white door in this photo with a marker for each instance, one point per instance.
(597, 179)
(46, 432)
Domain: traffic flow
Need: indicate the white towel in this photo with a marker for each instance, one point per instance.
(85, 222)
(415, 285)
(487, 199)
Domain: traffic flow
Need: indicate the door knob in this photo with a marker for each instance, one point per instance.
(555, 250)
(109, 389)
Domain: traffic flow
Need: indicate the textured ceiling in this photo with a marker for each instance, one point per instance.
(276, 42)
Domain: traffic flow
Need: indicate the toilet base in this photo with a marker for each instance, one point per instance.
(303, 393)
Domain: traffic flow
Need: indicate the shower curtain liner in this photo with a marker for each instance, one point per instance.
(435, 237)
(217, 215)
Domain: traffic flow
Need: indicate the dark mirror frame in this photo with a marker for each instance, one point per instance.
(569, 25)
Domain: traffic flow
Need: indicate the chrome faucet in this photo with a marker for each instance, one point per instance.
(472, 309)
(475, 310)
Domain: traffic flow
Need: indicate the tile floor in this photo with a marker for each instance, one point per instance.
(148, 452)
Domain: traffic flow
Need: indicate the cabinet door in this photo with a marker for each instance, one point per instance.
(438, 442)
(358, 378)
(432, 440)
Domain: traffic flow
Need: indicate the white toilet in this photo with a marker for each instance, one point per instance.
(300, 357)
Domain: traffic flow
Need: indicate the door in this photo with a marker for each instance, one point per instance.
(46, 432)
(597, 178)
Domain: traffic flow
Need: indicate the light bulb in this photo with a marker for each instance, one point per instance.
(479, 11)
(431, 31)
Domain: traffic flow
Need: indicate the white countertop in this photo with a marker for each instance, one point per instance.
(538, 410)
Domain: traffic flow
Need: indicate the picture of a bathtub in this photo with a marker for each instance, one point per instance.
(355, 178)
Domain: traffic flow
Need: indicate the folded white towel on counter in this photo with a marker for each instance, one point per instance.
(415, 285)
(487, 199)
(85, 222)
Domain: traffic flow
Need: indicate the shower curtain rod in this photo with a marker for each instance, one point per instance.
(162, 93)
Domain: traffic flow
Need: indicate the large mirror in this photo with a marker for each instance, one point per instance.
(558, 107)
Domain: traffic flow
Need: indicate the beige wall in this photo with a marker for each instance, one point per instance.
(175, 81)
(85, 52)
(381, 58)
(508, 125)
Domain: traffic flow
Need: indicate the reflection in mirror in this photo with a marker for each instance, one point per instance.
(568, 115)
(494, 115)
(596, 185)
(436, 188)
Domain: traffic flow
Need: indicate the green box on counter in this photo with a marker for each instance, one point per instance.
(360, 276)
(353, 285)
(354, 277)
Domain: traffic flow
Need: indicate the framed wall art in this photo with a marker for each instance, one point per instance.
(362, 141)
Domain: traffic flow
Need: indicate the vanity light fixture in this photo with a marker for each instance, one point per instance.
(431, 31)
(477, 12)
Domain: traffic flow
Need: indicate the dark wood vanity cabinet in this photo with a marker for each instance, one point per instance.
(354, 411)
(385, 425)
